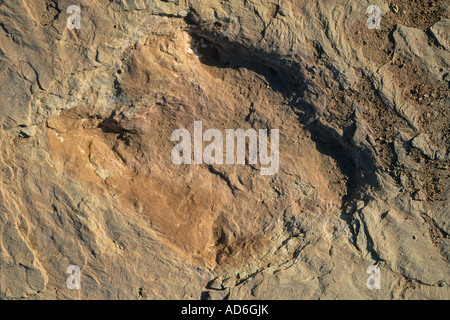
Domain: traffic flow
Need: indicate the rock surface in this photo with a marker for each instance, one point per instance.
(86, 117)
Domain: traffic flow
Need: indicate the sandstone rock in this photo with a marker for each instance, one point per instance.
(87, 115)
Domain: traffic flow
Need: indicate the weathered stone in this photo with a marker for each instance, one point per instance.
(86, 120)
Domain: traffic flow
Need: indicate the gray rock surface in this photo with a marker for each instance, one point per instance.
(86, 118)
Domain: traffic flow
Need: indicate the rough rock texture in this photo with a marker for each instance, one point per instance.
(86, 120)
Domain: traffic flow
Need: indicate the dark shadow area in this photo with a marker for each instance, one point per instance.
(205, 295)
